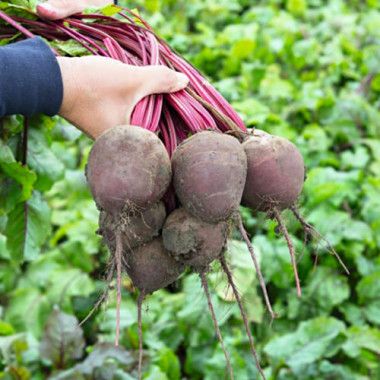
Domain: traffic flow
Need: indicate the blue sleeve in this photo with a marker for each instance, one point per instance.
(30, 79)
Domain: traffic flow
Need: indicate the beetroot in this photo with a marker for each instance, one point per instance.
(275, 175)
(209, 172)
(128, 170)
(151, 267)
(193, 242)
(135, 230)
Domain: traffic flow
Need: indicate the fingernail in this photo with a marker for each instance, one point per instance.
(182, 80)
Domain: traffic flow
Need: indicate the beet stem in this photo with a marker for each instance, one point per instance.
(16, 25)
(140, 301)
(118, 255)
(216, 326)
(244, 235)
(132, 43)
(243, 314)
(289, 242)
(309, 229)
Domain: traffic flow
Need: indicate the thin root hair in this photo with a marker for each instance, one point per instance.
(218, 280)
(245, 237)
(310, 230)
(243, 314)
(289, 242)
(216, 325)
(140, 301)
(118, 260)
(103, 297)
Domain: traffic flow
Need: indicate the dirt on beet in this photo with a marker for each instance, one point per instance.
(135, 229)
(193, 242)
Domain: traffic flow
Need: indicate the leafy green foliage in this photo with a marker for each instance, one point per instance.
(27, 228)
(313, 340)
(62, 341)
(16, 180)
(304, 69)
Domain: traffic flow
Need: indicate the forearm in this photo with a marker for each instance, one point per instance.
(30, 79)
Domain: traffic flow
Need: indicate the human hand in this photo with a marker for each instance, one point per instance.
(100, 93)
(57, 9)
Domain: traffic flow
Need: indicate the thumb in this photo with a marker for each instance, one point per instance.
(159, 80)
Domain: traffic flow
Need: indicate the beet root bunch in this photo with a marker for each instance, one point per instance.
(215, 173)
(169, 187)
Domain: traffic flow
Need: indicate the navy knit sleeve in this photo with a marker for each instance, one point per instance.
(30, 79)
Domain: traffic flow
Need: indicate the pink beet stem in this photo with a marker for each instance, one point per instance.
(133, 41)
(16, 25)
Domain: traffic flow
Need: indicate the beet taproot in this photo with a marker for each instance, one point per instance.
(136, 229)
(151, 267)
(128, 169)
(275, 178)
(209, 173)
(193, 242)
(275, 175)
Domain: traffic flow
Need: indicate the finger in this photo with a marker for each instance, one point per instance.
(148, 80)
(159, 80)
(58, 9)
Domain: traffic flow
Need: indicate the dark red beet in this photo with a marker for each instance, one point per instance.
(276, 172)
(128, 169)
(209, 171)
(151, 267)
(193, 242)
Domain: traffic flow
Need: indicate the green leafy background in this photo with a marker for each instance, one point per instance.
(308, 70)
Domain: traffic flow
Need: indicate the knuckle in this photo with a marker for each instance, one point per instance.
(168, 78)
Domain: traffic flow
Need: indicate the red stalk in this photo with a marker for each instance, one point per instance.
(132, 41)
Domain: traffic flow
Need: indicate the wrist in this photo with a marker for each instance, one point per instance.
(70, 90)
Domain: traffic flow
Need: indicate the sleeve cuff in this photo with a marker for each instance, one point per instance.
(30, 79)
